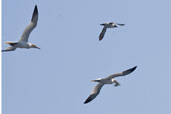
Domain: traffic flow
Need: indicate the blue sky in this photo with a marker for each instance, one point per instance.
(56, 78)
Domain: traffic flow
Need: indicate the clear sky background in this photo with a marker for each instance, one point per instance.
(56, 78)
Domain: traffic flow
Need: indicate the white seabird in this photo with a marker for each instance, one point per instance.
(108, 80)
(108, 25)
(23, 41)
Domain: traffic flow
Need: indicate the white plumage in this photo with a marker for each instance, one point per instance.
(23, 41)
(108, 80)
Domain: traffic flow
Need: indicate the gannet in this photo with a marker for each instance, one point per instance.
(108, 80)
(23, 41)
(108, 25)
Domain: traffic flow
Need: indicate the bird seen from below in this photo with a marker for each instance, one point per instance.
(108, 25)
(23, 41)
(108, 80)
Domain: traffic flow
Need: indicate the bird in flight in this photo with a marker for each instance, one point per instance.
(23, 41)
(108, 80)
(108, 25)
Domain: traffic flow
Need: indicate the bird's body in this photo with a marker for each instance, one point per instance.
(19, 44)
(103, 81)
(108, 25)
(108, 80)
(23, 41)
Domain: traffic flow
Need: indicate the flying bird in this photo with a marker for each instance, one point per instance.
(108, 25)
(108, 80)
(23, 41)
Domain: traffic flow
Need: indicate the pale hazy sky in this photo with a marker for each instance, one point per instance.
(56, 78)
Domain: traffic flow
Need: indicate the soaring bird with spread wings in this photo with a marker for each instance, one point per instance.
(23, 41)
(108, 80)
(108, 25)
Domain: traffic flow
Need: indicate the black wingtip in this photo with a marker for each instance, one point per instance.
(132, 69)
(100, 39)
(85, 102)
(120, 24)
(88, 99)
(101, 36)
(35, 12)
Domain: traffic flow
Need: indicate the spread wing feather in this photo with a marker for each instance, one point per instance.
(102, 33)
(30, 27)
(126, 72)
(11, 48)
(94, 93)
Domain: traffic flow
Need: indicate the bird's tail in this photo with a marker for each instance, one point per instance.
(11, 43)
(95, 80)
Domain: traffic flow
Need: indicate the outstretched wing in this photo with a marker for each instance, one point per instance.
(102, 33)
(94, 93)
(30, 27)
(9, 49)
(120, 24)
(126, 72)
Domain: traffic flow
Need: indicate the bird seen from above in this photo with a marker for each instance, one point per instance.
(108, 80)
(23, 41)
(108, 25)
